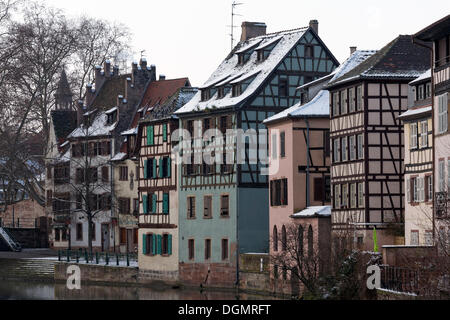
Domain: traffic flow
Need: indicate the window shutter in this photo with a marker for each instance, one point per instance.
(411, 190)
(408, 190)
(145, 168)
(144, 244)
(154, 168)
(164, 132)
(169, 244)
(166, 203)
(161, 163)
(169, 167)
(154, 202)
(145, 203)
(159, 243)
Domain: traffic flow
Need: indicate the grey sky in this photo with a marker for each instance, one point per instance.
(191, 38)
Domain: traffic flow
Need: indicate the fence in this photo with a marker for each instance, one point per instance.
(106, 258)
(399, 279)
(19, 223)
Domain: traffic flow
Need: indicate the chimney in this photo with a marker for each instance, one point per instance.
(89, 94)
(314, 24)
(143, 63)
(107, 68)
(352, 50)
(162, 77)
(252, 29)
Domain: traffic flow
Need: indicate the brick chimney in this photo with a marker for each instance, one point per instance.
(314, 24)
(352, 50)
(252, 29)
(107, 69)
(162, 77)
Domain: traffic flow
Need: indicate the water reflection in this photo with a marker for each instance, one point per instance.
(14, 290)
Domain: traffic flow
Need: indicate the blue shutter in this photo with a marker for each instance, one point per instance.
(154, 168)
(161, 167)
(148, 135)
(164, 132)
(159, 243)
(145, 169)
(154, 203)
(169, 167)
(166, 203)
(155, 239)
(145, 203)
(169, 245)
(144, 244)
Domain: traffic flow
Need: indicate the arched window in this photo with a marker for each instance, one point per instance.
(283, 238)
(275, 238)
(310, 241)
(300, 241)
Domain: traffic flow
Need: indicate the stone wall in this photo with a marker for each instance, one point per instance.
(214, 275)
(30, 238)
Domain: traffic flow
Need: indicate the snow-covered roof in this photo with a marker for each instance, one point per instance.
(415, 112)
(322, 211)
(119, 156)
(112, 110)
(99, 127)
(130, 132)
(230, 67)
(320, 104)
(424, 76)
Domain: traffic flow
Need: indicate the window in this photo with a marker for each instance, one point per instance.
(337, 196)
(205, 94)
(309, 51)
(207, 249)
(351, 99)
(105, 174)
(361, 195)
(64, 234)
(191, 207)
(343, 102)
(164, 167)
(191, 249)
(420, 92)
(441, 172)
(429, 187)
(359, 98)
(360, 146)
(124, 205)
(352, 147)
(428, 90)
(442, 113)
(206, 124)
(275, 238)
(207, 211)
(236, 90)
(424, 134)
(135, 205)
(123, 236)
(428, 238)
(79, 232)
(224, 205)
(318, 189)
(335, 103)
(282, 144)
(224, 249)
(336, 150)
(57, 235)
(165, 244)
(283, 90)
(283, 239)
(414, 237)
(353, 195)
(123, 173)
(344, 149)
(274, 147)
(112, 117)
(62, 174)
(413, 135)
(278, 192)
(345, 196)
(326, 142)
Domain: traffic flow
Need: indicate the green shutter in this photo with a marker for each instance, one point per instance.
(145, 203)
(164, 132)
(154, 202)
(161, 167)
(150, 135)
(166, 203)
(145, 169)
(169, 245)
(144, 244)
(154, 168)
(154, 240)
(169, 167)
(159, 243)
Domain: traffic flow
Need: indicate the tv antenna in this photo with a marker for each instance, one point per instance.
(233, 6)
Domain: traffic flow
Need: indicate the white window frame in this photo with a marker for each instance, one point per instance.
(360, 146)
(441, 172)
(415, 189)
(442, 113)
(352, 147)
(344, 155)
(359, 98)
(344, 107)
(424, 134)
(413, 135)
(335, 103)
(428, 238)
(351, 100)
(361, 195)
(337, 196)
(353, 196)
(430, 188)
(336, 150)
(344, 201)
(415, 238)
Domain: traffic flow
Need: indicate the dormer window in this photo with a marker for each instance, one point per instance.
(220, 92)
(260, 55)
(206, 94)
(420, 92)
(112, 117)
(237, 89)
(241, 58)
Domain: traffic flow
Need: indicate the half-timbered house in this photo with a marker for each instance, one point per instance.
(367, 142)
(158, 193)
(224, 206)
(418, 130)
(299, 167)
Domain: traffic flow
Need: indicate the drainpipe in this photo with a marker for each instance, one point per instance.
(308, 164)
(429, 46)
(237, 232)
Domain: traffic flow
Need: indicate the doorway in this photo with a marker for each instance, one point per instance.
(105, 237)
(130, 241)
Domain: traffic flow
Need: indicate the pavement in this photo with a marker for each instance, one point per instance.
(28, 254)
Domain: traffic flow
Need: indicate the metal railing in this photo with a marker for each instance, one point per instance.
(399, 279)
(97, 258)
(19, 223)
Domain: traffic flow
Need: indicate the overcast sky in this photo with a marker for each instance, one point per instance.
(191, 38)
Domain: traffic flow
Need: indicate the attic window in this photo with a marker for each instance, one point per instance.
(241, 58)
(260, 55)
(221, 92)
(283, 87)
(309, 51)
(112, 117)
(237, 89)
(206, 94)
